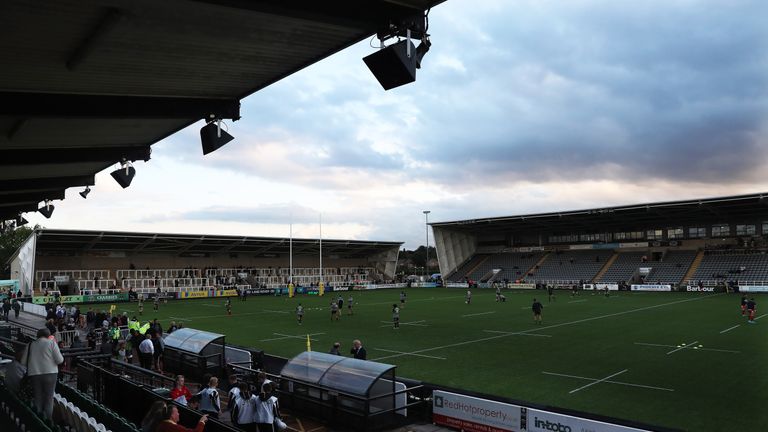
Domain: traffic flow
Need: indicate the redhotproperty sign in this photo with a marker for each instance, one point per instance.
(474, 414)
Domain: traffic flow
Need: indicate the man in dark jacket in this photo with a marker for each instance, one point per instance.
(357, 350)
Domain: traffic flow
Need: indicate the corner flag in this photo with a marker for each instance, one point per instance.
(309, 344)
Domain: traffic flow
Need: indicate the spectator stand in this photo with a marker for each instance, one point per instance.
(194, 353)
(345, 392)
(132, 400)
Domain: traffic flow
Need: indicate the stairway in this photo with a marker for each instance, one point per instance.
(694, 266)
(532, 270)
(605, 268)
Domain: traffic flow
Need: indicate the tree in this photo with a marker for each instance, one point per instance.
(10, 241)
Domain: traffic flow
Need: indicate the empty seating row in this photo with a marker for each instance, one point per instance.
(74, 417)
(461, 272)
(673, 267)
(733, 267)
(572, 265)
(513, 265)
(622, 269)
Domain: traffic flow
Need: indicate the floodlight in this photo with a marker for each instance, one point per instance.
(20, 221)
(47, 209)
(213, 138)
(422, 50)
(394, 65)
(123, 175)
(85, 193)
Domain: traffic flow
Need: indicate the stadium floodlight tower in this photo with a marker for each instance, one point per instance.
(426, 231)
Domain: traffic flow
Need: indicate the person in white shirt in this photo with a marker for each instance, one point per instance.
(210, 402)
(266, 410)
(42, 359)
(244, 409)
(146, 350)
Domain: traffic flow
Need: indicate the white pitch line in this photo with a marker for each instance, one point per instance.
(597, 382)
(410, 301)
(681, 347)
(285, 336)
(407, 353)
(556, 325)
(275, 311)
(210, 305)
(760, 317)
(179, 319)
(412, 323)
(609, 381)
(479, 313)
(576, 301)
(730, 328)
(688, 347)
(515, 333)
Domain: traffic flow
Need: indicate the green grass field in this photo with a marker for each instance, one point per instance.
(631, 342)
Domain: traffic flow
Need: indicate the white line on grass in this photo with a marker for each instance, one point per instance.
(275, 311)
(576, 301)
(412, 323)
(285, 336)
(597, 382)
(554, 325)
(609, 381)
(210, 305)
(410, 301)
(407, 353)
(235, 314)
(760, 317)
(682, 347)
(179, 319)
(479, 313)
(730, 328)
(688, 347)
(515, 333)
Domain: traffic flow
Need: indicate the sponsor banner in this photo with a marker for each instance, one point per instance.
(701, 289)
(521, 286)
(338, 288)
(226, 293)
(474, 414)
(542, 421)
(260, 291)
(602, 286)
(102, 298)
(605, 245)
(72, 299)
(525, 249)
(633, 245)
(753, 288)
(651, 287)
(645, 271)
(457, 285)
(580, 246)
(43, 299)
(61, 279)
(193, 294)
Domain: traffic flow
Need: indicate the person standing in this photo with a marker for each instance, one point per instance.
(751, 309)
(334, 311)
(395, 316)
(350, 300)
(743, 305)
(180, 393)
(146, 352)
(469, 297)
(210, 403)
(244, 409)
(551, 292)
(170, 422)
(266, 410)
(16, 306)
(300, 313)
(228, 305)
(6, 309)
(402, 298)
(335, 350)
(358, 351)
(43, 358)
(537, 307)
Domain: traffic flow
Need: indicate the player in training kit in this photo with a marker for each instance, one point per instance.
(340, 301)
(469, 297)
(350, 300)
(751, 309)
(744, 305)
(395, 315)
(156, 305)
(228, 305)
(551, 292)
(574, 290)
(498, 293)
(402, 298)
(334, 311)
(141, 306)
(299, 313)
(536, 308)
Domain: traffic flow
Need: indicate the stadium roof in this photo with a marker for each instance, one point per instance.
(640, 216)
(87, 84)
(71, 241)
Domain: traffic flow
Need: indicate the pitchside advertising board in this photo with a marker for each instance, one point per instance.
(753, 288)
(482, 415)
(651, 287)
(601, 287)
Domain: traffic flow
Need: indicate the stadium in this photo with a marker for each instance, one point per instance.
(633, 317)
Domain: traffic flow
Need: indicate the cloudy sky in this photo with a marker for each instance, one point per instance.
(521, 106)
